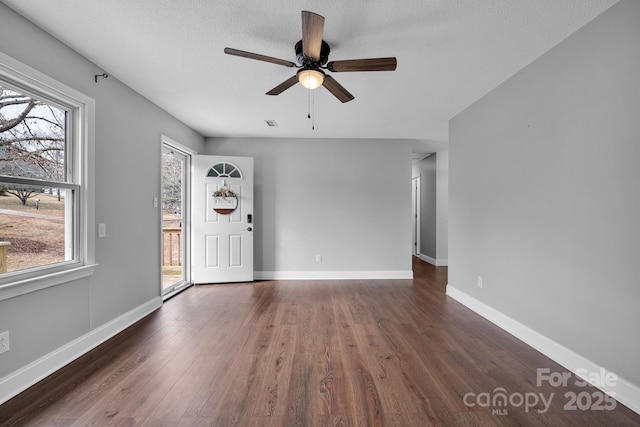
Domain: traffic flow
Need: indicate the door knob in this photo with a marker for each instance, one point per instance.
(249, 229)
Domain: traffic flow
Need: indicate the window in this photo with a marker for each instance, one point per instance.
(224, 170)
(45, 196)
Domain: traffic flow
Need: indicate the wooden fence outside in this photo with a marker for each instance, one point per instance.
(3, 256)
(171, 246)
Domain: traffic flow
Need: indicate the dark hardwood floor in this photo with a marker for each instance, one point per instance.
(311, 353)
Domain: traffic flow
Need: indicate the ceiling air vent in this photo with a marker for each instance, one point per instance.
(271, 123)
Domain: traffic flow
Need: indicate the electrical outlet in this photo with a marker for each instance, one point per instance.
(4, 342)
(480, 282)
(318, 257)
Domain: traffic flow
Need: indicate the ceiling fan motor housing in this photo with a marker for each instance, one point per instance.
(305, 61)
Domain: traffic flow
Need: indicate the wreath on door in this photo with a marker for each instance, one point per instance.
(225, 201)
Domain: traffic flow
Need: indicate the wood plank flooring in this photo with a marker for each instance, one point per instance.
(309, 353)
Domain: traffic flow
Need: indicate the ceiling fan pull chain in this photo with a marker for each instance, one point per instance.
(313, 112)
(308, 103)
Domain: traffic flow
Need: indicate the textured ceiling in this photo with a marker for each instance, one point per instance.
(450, 53)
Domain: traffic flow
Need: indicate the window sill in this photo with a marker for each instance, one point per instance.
(33, 284)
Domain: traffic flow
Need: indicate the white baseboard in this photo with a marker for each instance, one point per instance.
(332, 275)
(25, 377)
(624, 391)
(434, 261)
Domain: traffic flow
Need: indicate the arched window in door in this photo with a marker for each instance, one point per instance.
(224, 170)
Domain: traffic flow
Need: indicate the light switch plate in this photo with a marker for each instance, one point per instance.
(102, 230)
(4, 342)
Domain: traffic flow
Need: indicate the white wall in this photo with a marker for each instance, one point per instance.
(545, 194)
(349, 200)
(127, 177)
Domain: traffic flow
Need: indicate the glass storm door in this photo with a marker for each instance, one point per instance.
(175, 229)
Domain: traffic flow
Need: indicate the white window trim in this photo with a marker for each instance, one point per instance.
(83, 166)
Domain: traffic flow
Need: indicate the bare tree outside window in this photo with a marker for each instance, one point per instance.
(32, 146)
(171, 184)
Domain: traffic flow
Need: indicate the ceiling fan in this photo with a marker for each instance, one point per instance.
(312, 54)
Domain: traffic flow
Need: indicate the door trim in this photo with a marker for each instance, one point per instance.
(416, 201)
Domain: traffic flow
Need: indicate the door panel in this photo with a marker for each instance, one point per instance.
(212, 252)
(235, 251)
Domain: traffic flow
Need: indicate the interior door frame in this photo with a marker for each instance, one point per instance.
(415, 193)
(186, 218)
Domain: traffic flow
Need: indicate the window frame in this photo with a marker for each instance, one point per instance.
(79, 152)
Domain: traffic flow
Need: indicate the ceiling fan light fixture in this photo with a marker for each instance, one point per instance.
(311, 78)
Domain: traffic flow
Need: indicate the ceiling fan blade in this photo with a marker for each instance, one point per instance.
(283, 86)
(242, 53)
(372, 64)
(312, 28)
(337, 89)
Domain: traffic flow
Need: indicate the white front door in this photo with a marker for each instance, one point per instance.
(222, 238)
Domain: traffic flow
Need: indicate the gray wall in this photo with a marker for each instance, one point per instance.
(545, 194)
(426, 168)
(349, 200)
(127, 177)
(442, 207)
